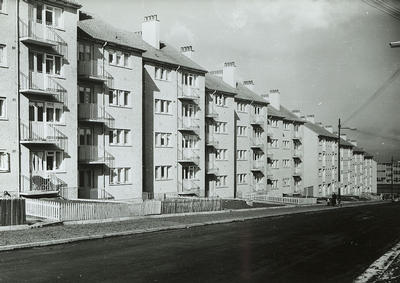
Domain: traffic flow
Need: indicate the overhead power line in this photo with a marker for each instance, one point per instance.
(384, 7)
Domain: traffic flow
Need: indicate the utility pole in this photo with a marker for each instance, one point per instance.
(392, 178)
(338, 173)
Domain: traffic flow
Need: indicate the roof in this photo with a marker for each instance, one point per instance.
(216, 83)
(320, 131)
(170, 55)
(284, 113)
(101, 30)
(358, 149)
(368, 155)
(246, 94)
(71, 3)
(345, 143)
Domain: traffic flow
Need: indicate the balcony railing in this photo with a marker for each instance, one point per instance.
(32, 32)
(189, 155)
(189, 93)
(42, 182)
(257, 142)
(297, 172)
(43, 133)
(210, 111)
(211, 140)
(41, 84)
(257, 119)
(90, 112)
(189, 124)
(92, 154)
(93, 70)
(212, 169)
(189, 186)
(297, 135)
(297, 153)
(258, 165)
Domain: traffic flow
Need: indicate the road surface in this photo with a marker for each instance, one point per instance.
(328, 246)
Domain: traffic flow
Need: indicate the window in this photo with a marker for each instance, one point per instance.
(189, 80)
(242, 178)
(163, 172)
(286, 163)
(117, 97)
(3, 54)
(220, 99)
(273, 123)
(3, 6)
(3, 112)
(53, 65)
(241, 131)
(221, 154)
(4, 161)
(220, 127)
(162, 74)
(274, 143)
(274, 164)
(189, 172)
(274, 184)
(119, 137)
(86, 95)
(118, 58)
(286, 144)
(120, 176)
(241, 107)
(163, 139)
(47, 160)
(162, 106)
(241, 154)
(53, 16)
(85, 136)
(190, 141)
(286, 181)
(286, 125)
(46, 111)
(221, 181)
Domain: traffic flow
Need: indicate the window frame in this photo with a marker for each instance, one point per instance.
(4, 161)
(3, 108)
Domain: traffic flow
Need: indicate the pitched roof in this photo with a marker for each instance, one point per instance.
(320, 131)
(345, 143)
(101, 30)
(284, 113)
(216, 83)
(358, 149)
(72, 3)
(170, 55)
(246, 94)
(368, 155)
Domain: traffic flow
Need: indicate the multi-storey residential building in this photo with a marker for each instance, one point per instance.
(250, 122)
(220, 141)
(174, 117)
(386, 173)
(346, 156)
(358, 169)
(285, 149)
(370, 170)
(109, 111)
(40, 114)
(320, 158)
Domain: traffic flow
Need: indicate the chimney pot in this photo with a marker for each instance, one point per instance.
(311, 118)
(187, 51)
(249, 84)
(151, 31)
(275, 98)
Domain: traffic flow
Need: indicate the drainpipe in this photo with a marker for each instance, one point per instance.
(211, 94)
(18, 101)
(104, 128)
(177, 123)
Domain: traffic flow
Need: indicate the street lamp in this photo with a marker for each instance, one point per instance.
(394, 44)
(340, 128)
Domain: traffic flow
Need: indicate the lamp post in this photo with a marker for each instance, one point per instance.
(394, 44)
(339, 129)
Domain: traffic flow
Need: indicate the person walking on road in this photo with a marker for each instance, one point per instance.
(333, 199)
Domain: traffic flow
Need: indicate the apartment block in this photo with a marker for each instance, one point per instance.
(320, 158)
(220, 141)
(109, 111)
(285, 149)
(346, 169)
(370, 174)
(358, 168)
(387, 170)
(174, 118)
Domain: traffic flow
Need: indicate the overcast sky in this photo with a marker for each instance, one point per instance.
(327, 57)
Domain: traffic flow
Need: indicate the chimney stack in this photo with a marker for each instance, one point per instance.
(354, 142)
(217, 73)
(275, 98)
(310, 118)
(329, 128)
(343, 136)
(249, 84)
(151, 31)
(297, 113)
(187, 51)
(229, 74)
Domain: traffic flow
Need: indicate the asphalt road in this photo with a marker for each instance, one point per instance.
(328, 246)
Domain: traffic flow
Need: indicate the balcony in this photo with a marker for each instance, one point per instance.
(43, 85)
(189, 124)
(189, 155)
(90, 112)
(297, 172)
(257, 120)
(297, 135)
(189, 93)
(189, 187)
(210, 111)
(211, 140)
(42, 35)
(257, 143)
(212, 169)
(258, 166)
(41, 184)
(43, 133)
(93, 70)
(92, 154)
(270, 132)
(297, 153)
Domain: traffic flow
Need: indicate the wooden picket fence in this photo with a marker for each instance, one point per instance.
(185, 205)
(12, 211)
(287, 200)
(70, 210)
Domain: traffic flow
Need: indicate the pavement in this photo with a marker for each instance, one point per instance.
(325, 245)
